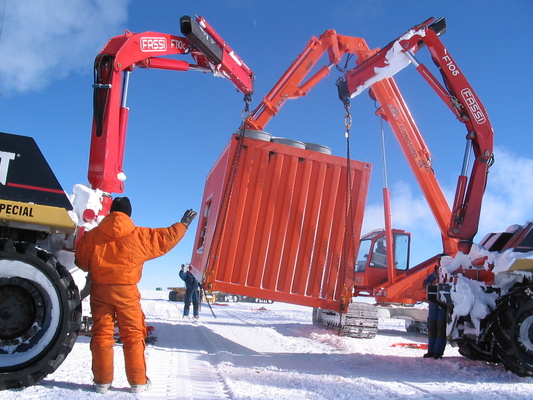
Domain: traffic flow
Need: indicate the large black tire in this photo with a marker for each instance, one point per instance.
(40, 314)
(511, 327)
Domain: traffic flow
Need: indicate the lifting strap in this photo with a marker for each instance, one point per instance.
(202, 290)
(228, 187)
(349, 234)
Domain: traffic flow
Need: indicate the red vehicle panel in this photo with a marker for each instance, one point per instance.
(273, 223)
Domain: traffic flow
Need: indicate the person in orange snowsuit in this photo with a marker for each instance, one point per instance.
(113, 254)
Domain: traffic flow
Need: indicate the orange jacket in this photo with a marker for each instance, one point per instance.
(114, 252)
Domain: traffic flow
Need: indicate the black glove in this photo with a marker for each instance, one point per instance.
(188, 217)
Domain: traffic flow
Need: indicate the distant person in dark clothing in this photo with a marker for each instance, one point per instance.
(379, 257)
(380, 246)
(192, 293)
(436, 325)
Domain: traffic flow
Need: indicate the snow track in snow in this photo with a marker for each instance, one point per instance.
(179, 368)
(421, 391)
(182, 375)
(273, 351)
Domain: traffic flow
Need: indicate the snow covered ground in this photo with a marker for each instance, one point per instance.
(273, 351)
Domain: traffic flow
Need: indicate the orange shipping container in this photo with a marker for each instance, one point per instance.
(274, 225)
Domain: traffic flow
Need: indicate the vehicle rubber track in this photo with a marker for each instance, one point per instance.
(361, 320)
(40, 314)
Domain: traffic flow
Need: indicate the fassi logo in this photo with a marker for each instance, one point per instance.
(153, 44)
(473, 105)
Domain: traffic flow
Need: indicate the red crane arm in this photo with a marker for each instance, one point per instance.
(480, 138)
(291, 85)
(375, 69)
(395, 111)
(147, 50)
(457, 94)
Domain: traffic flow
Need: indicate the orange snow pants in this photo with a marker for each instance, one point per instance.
(120, 303)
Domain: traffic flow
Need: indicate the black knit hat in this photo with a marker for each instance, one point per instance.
(121, 204)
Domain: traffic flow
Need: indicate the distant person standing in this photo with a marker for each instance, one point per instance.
(192, 292)
(380, 246)
(113, 254)
(436, 325)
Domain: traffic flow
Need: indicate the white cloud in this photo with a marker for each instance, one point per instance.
(509, 196)
(409, 211)
(45, 41)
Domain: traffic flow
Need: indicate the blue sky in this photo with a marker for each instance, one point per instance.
(180, 121)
